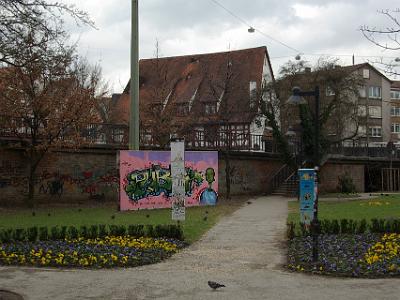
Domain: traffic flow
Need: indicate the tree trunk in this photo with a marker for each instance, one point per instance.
(31, 186)
(227, 174)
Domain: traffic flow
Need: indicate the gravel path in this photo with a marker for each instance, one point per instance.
(245, 251)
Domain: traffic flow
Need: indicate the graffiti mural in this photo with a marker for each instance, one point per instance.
(156, 180)
(145, 179)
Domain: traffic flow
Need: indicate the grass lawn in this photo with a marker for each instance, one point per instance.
(380, 207)
(194, 226)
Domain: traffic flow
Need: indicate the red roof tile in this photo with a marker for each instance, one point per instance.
(198, 79)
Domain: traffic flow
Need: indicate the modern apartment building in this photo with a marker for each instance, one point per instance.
(395, 111)
(359, 119)
(374, 109)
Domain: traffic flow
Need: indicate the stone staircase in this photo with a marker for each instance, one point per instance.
(289, 187)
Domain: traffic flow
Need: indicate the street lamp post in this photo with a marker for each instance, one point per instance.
(297, 98)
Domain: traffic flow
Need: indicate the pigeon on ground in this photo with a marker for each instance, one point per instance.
(215, 285)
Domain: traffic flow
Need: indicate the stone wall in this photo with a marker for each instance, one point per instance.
(250, 173)
(66, 177)
(60, 177)
(331, 171)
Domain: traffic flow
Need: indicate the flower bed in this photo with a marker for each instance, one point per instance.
(106, 252)
(357, 255)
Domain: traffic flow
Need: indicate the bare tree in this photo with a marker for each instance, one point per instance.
(48, 94)
(20, 18)
(339, 93)
(386, 38)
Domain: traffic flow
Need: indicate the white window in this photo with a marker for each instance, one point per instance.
(395, 128)
(362, 92)
(366, 73)
(395, 111)
(211, 108)
(253, 93)
(395, 94)
(362, 111)
(375, 111)
(375, 131)
(375, 92)
(329, 91)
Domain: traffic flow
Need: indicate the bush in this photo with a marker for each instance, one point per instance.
(6, 235)
(149, 232)
(103, 230)
(290, 233)
(43, 234)
(136, 230)
(362, 226)
(83, 231)
(117, 230)
(54, 233)
(19, 234)
(32, 234)
(346, 184)
(72, 232)
(93, 231)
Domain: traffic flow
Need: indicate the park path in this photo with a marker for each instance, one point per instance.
(245, 251)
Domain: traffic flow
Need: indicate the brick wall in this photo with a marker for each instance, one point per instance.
(60, 177)
(330, 173)
(250, 173)
(66, 177)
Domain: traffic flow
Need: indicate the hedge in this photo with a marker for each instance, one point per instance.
(94, 231)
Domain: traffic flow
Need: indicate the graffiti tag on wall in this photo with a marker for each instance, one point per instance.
(157, 180)
(146, 179)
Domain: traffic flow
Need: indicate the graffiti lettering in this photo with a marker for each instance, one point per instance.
(156, 180)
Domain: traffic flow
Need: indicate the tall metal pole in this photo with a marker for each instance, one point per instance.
(315, 222)
(134, 82)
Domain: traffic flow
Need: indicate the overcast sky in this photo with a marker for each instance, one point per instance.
(313, 27)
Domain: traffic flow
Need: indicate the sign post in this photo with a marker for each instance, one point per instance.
(309, 205)
(178, 179)
(308, 195)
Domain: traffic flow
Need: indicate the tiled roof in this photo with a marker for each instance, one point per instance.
(198, 79)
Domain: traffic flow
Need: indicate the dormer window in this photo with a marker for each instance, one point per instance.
(253, 93)
(182, 109)
(210, 108)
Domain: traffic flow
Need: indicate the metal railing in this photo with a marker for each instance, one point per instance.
(115, 135)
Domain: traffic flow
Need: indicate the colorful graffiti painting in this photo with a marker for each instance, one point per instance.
(146, 179)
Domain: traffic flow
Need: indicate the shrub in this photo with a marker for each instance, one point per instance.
(290, 233)
(149, 232)
(136, 230)
(335, 227)
(19, 234)
(117, 230)
(93, 231)
(83, 231)
(32, 234)
(362, 226)
(6, 235)
(54, 233)
(344, 226)
(72, 232)
(63, 232)
(346, 184)
(102, 230)
(43, 234)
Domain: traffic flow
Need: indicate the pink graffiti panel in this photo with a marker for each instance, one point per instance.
(145, 179)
